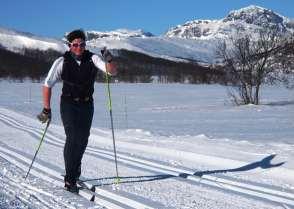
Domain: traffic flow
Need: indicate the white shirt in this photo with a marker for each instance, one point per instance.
(55, 71)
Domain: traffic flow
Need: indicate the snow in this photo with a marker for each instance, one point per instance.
(246, 20)
(179, 146)
(117, 34)
(18, 41)
(175, 49)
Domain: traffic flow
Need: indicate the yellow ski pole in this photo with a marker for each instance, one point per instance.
(45, 130)
(111, 116)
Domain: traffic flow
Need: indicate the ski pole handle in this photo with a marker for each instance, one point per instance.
(107, 56)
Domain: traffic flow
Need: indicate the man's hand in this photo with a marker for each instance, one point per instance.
(106, 55)
(45, 115)
(111, 67)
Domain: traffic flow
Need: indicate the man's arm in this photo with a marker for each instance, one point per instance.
(109, 63)
(53, 77)
(46, 97)
(45, 115)
(111, 68)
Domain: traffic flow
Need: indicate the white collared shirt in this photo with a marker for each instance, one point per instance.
(55, 71)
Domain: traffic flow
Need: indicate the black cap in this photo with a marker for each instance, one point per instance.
(76, 34)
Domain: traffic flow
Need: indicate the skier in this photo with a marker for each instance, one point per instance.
(77, 69)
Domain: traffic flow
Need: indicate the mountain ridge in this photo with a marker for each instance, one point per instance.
(194, 40)
(247, 19)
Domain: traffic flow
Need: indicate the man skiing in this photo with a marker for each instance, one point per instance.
(77, 69)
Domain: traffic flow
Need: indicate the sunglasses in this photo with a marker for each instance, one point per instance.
(76, 45)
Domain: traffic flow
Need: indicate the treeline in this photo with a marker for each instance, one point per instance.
(137, 67)
(33, 64)
(133, 67)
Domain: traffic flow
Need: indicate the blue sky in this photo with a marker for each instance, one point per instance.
(55, 17)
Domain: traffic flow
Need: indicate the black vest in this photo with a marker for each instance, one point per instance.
(78, 80)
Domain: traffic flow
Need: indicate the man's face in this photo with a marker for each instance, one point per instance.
(77, 46)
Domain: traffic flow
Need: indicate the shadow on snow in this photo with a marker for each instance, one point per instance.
(265, 163)
(280, 103)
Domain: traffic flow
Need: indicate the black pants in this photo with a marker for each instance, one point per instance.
(77, 120)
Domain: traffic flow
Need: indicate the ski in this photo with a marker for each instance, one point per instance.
(83, 186)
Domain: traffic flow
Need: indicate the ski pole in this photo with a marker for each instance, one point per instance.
(45, 130)
(126, 111)
(111, 120)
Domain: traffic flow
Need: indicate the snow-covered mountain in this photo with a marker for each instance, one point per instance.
(247, 19)
(117, 34)
(195, 40)
(174, 49)
(18, 41)
(133, 40)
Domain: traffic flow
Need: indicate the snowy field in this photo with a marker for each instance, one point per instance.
(179, 147)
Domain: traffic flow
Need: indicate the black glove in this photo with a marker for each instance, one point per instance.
(106, 55)
(45, 115)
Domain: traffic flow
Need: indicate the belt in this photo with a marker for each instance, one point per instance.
(76, 99)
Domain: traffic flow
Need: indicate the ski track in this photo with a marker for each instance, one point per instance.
(27, 190)
(32, 192)
(103, 197)
(113, 200)
(108, 199)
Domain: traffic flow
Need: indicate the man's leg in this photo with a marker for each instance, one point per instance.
(85, 117)
(68, 116)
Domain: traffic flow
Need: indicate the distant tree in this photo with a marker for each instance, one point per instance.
(285, 60)
(252, 60)
(32, 64)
